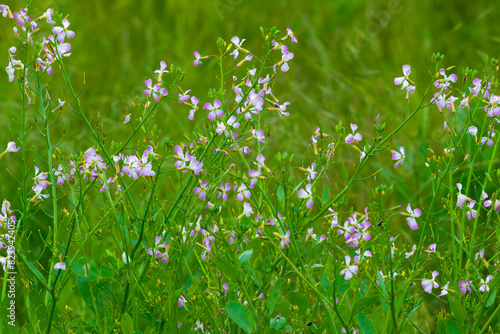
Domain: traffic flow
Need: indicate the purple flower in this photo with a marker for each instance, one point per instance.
(247, 209)
(259, 135)
(444, 83)
(483, 286)
(197, 61)
(224, 188)
(11, 147)
(237, 43)
(215, 110)
(242, 192)
(404, 79)
(5, 11)
(202, 190)
(428, 284)
(194, 105)
(60, 265)
(349, 270)
(307, 193)
(412, 215)
(183, 96)
(354, 136)
(289, 33)
(181, 301)
(285, 239)
(398, 156)
(21, 17)
(465, 286)
(155, 90)
(63, 32)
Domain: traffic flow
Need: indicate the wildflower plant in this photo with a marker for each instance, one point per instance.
(214, 233)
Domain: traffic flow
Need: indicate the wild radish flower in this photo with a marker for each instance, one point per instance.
(127, 119)
(126, 259)
(444, 290)
(259, 135)
(404, 79)
(460, 197)
(412, 215)
(465, 286)
(310, 172)
(47, 15)
(63, 32)
(353, 137)
(432, 248)
(471, 213)
(60, 265)
(483, 286)
(359, 258)
(399, 157)
(155, 90)
(428, 284)
(444, 83)
(488, 139)
(198, 58)
(259, 161)
(163, 69)
(183, 96)
(247, 209)
(61, 177)
(237, 43)
(480, 254)
(215, 110)
(254, 175)
(484, 196)
(182, 159)
(478, 87)
(413, 249)
(280, 108)
(181, 301)
(194, 106)
(5, 11)
(285, 58)
(307, 193)
(291, 35)
(21, 17)
(202, 190)
(195, 165)
(242, 192)
(224, 188)
(493, 106)
(40, 179)
(11, 148)
(349, 270)
(285, 239)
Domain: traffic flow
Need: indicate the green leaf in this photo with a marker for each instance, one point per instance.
(34, 270)
(273, 297)
(84, 287)
(456, 308)
(378, 317)
(281, 195)
(453, 327)
(366, 324)
(361, 304)
(381, 283)
(491, 300)
(344, 172)
(98, 251)
(253, 276)
(127, 324)
(295, 298)
(227, 268)
(326, 194)
(278, 323)
(245, 256)
(241, 315)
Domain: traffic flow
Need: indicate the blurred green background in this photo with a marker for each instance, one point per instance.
(344, 65)
(349, 51)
